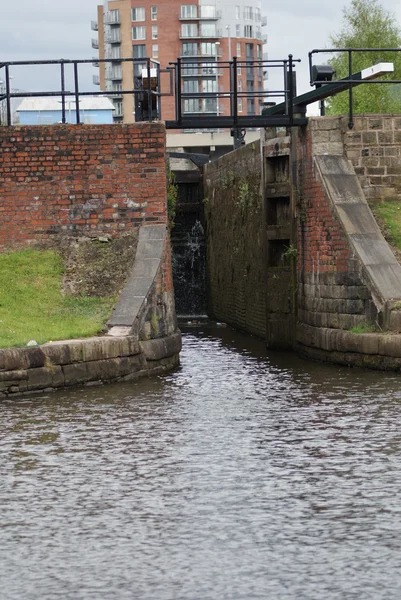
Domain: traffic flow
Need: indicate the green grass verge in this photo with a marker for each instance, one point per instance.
(33, 307)
(388, 215)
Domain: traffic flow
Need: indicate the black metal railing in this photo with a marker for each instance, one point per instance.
(152, 71)
(351, 79)
(228, 71)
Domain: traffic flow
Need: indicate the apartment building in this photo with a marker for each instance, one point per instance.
(202, 33)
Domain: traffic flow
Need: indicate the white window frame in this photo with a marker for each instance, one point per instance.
(139, 32)
(153, 12)
(138, 14)
(155, 32)
(155, 50)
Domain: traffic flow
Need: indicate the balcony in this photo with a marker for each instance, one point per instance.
(95, 62)
(112, 17)
(113, 37)
(189, 54)
(94, 26)
(264, 22)
(202, 36)
(214, 17)
(95, 44)
(96, 80)
(264, 39)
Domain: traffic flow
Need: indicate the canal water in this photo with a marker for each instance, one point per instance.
(238, 476)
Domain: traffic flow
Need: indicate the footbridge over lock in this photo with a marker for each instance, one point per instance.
(294, 254)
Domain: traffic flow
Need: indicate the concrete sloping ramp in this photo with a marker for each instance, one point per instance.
(379, 265)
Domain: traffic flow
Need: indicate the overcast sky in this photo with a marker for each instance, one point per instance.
(49, 29)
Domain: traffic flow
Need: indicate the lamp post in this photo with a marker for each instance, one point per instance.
(230, 56)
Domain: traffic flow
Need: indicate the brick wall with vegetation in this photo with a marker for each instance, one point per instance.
(79, 180)
(235, 258)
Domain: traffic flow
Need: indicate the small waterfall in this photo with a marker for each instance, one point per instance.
(189, 272)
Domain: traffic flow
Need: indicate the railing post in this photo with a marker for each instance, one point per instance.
(351, 114)
(290, 91)
(63, 119)
(8, 99)
(149, 91)
(76, 85)
(235, 95)
(178, 91)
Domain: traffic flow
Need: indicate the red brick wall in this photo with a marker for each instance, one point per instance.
(79, 180)
(330, 289)
(322, 243)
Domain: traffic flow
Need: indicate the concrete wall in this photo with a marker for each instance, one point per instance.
(79, 180)
(235, 240)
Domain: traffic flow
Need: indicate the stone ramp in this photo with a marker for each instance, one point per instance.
(379, 265)
(148, 259)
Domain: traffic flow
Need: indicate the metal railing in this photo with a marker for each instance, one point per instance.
(152, 71)
(351, 79)
(234, 95)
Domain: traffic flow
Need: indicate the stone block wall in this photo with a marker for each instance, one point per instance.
(235, 240)
(79, 180)
(374, 148)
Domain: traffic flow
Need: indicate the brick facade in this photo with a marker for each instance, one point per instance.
(331, 287)
(79, 180)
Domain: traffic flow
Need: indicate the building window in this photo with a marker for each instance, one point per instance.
(189, 11)
(139, 51)
(238, 31)
(238, 48)
(258, 52)
(191, 70)
(138, 68)
(238, 13)
(258, 16)
(113, 17)
(209, 86)
(155, 50)
(115, 52)
(249, 51)
(208, 49)
(138, 14)
(190, 49)
(248, 13)
(208, 12)
(139, 33)
(153, 12)
(240, 105)
(248, 31)
(189, 30)
(155, 33)
(250, 106)
(208, 29)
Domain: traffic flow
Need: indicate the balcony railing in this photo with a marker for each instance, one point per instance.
(199, 17)
(95, 44)
(264, 39)
(96, 79)
(94, 26)
(200, 35)
(113, 37)
(112, 17)
(95, 61)
(264, 22)
(199, 52)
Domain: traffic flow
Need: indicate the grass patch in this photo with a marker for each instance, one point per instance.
(33, 307)
(388, 216)
(364, 328)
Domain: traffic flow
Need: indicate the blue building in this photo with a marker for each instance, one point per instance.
(93, 110)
